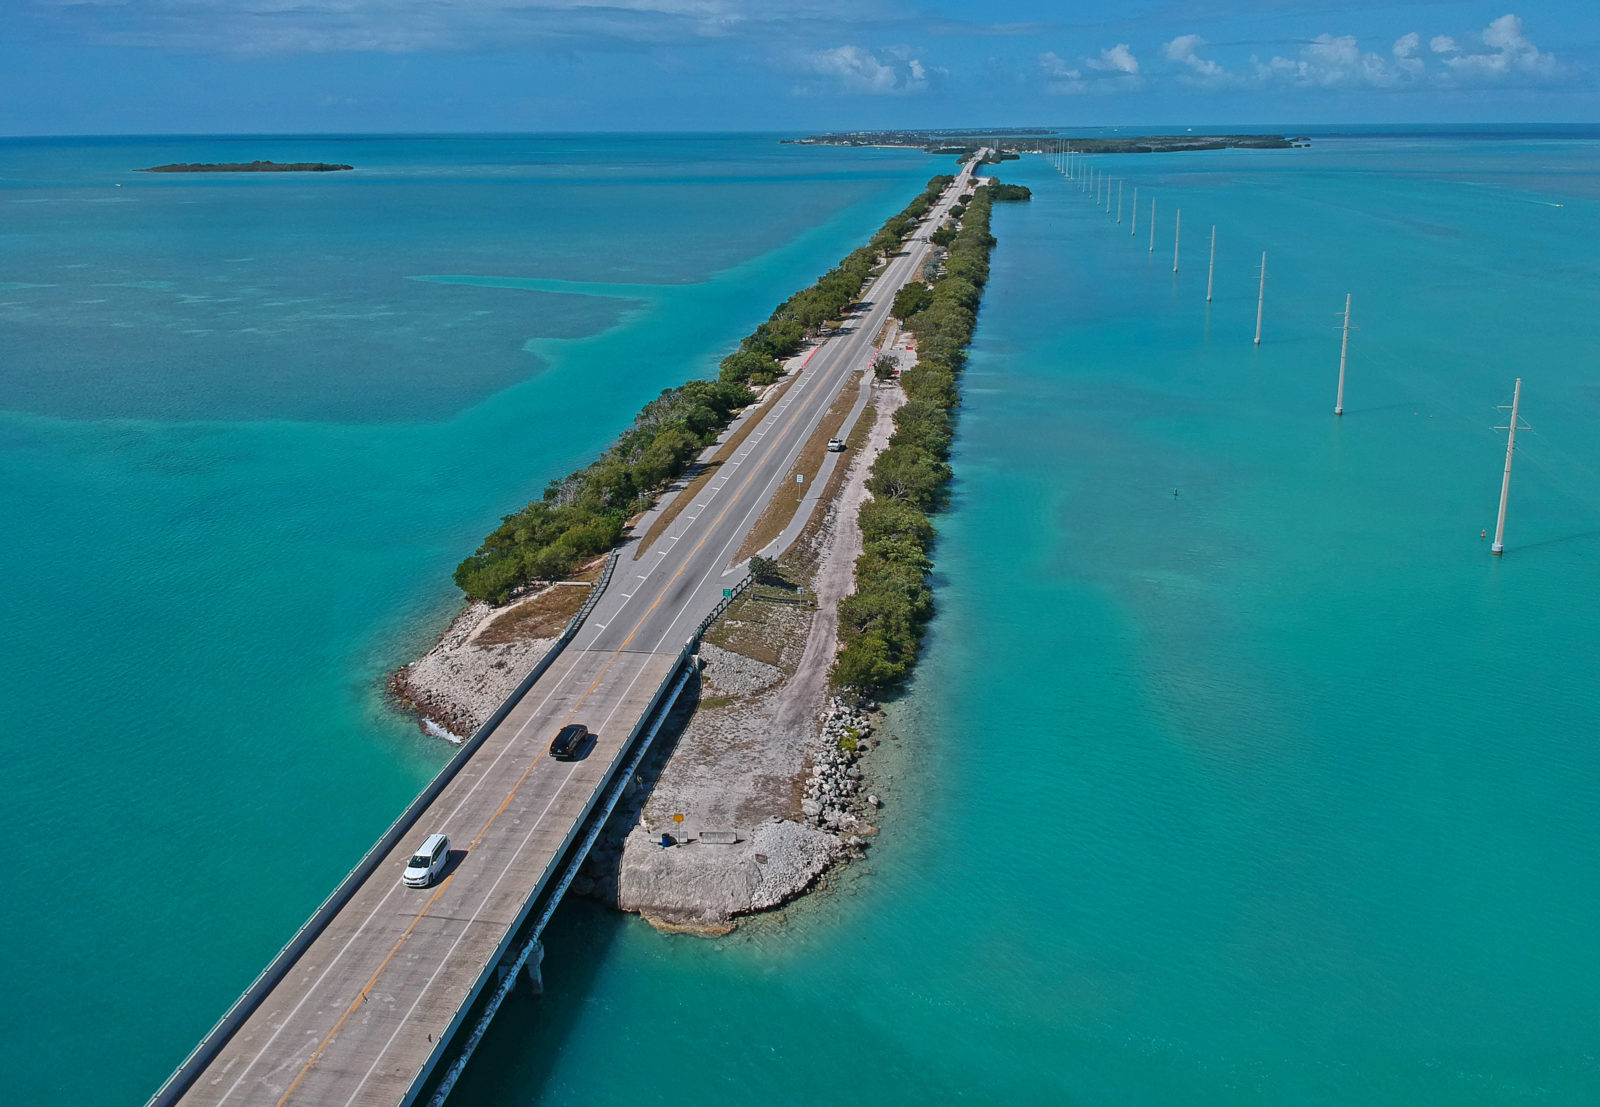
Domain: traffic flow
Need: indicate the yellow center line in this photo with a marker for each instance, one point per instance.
(361, 997)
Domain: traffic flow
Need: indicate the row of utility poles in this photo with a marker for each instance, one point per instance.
(1075, 166)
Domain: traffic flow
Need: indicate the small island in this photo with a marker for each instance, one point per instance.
(1037, 140)
(248, 167)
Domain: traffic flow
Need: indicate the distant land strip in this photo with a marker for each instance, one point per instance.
(248, 167)
(1038, 142)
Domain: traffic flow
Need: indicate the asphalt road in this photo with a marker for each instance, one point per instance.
(365, 1013)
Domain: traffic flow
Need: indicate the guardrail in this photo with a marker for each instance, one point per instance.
(204, 1053)
(729, 595)
(521, 937)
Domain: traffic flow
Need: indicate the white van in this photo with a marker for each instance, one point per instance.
(428, 862)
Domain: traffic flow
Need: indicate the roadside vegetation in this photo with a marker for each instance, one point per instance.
(586, 513)
(881, 623)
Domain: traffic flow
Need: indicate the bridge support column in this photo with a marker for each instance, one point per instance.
(530, 967)
(533, 969)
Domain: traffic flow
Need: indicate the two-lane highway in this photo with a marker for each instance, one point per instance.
(364, 1015)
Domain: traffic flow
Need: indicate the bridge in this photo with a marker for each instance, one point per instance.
(382, 995)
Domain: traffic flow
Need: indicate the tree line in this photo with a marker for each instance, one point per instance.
(881, 624)
(585, 513)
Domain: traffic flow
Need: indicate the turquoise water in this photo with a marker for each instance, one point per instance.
(1279, 790)
(248, 427)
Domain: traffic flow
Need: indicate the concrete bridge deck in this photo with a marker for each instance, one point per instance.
(378, 997)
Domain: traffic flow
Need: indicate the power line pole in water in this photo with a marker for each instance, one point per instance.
(1177, 233)
(1211, 277)
(1261, 299)
(1344, 348)
(1152, 227)
(1499, 546)
(1134, 229)
(1108, 197)
(1119, 201)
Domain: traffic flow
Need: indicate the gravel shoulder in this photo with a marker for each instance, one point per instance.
(765, 787)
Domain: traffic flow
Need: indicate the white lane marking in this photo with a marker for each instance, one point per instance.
(487, 896)
(511, 744)
(777, 475)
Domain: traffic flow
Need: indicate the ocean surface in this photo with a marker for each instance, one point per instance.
(1236, 769)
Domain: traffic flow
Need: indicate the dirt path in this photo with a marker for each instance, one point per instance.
(743, 762)
(801, 698)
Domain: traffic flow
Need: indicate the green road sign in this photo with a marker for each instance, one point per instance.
(727, 593)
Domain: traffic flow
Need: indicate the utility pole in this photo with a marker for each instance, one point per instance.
(1344, 348)
(1211, 277)
(1177, 233)
(1499, 546)
(1119, 202)
(1152, 226)
(1261, 299)
(1134, 228)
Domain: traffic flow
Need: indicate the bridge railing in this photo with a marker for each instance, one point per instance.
(721, 609)
(204, 1053)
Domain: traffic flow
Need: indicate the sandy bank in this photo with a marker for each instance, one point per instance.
(482, 657)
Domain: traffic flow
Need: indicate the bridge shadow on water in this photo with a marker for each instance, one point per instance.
(523, 1047)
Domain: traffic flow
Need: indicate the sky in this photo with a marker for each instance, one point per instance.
(361, 66)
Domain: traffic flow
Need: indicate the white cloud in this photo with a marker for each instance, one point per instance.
(297, 26)
(856, 70)
(1331, 61)
(1115, 70)
(1118, 59)
(1511, 53)
(1202, 72)
(1442, 44)
(1405, 54)
(1060, 76)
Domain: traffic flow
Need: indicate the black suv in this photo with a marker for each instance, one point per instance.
(568, 741)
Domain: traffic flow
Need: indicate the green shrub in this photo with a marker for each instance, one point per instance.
(585, 513)
(914, 297)
(883, 519)
(881, 623)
